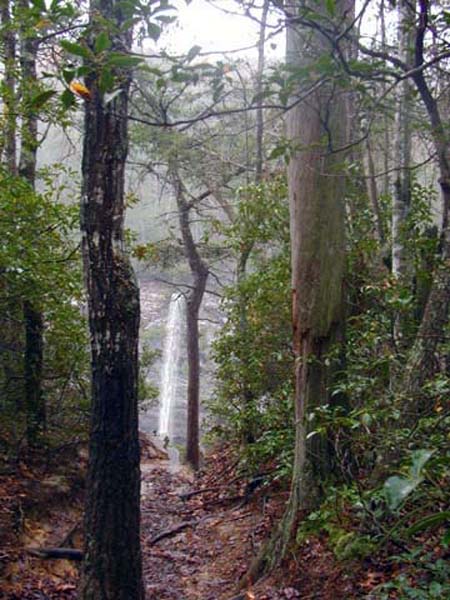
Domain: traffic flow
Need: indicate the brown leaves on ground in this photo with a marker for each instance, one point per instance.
(41, 502)
(199, 536)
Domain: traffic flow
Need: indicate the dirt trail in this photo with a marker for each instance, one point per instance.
(206, 556)
(194, 547)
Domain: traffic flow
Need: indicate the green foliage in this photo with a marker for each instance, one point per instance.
(335, 518)
(425, 578)
(253, 401)
(148, 392)
(397, 489)
(40, 263)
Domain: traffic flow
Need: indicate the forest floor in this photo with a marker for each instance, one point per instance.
(199, 536)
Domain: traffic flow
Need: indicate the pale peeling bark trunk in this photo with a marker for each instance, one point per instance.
(199, 272)
(386, 150)
(402, 186)
(112, 569)
(259, 90)
(316, 128)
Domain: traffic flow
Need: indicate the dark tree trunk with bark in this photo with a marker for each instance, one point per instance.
(194, 299)
(33, 362)
(112, 568)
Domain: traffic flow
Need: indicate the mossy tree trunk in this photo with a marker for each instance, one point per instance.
(316, 130)
(112, 568)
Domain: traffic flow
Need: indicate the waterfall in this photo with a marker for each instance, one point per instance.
(171, 363)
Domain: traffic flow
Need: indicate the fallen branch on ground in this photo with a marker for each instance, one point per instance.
(211, 488)
(173, 531)
(58, 553)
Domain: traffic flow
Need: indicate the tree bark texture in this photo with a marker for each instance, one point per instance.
(403, 142)
(33, 364)
(112, 568)
(199, 271)
(372, 192)
(9, 149)
(316, 129)
(259, 90)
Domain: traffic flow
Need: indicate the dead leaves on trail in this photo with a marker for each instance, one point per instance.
(213, 539)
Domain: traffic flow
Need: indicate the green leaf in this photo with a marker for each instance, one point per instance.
(331, 7)
(106, 81)
(154, 31)
(40, 99)
(68, 99)
(102, 42)
(428, 522)
(83, 71)
(68, 75)
(165, 19)
(116, 59)
(39, 4)
(193, 52)
(446, 538)
(76, 49)
(277, 152)
(397, 489)
(419, 460)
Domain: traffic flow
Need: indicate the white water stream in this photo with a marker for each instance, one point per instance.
(172, 348)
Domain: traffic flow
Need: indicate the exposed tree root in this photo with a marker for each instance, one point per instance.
(273, 551)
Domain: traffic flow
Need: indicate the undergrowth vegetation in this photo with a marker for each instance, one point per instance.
(389, 493)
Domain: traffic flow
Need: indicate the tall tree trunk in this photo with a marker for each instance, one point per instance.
(12, 393)
(259, 90)
(386, 137)
(34, 403)
(9, 94)
(199, 272)
(372, 192)
(402, 186)
(422, 362)
(316, 128)
(112, 569)
(32, 315)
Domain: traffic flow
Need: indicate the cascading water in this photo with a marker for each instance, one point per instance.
(173, 344)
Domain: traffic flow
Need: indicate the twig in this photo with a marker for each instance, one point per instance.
(59, 553)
